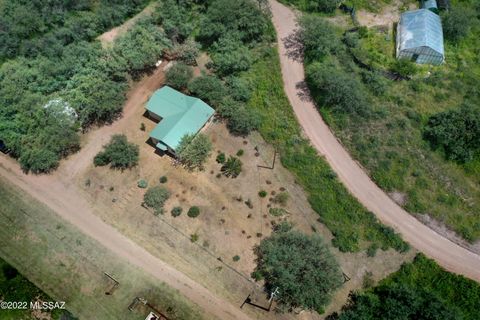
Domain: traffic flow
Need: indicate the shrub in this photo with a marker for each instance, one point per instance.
(194, 237)
(326, 6)
(240, 153)
(262, 193)
(155, 198)
(277, 212)
(372, 250)
(456, 132)
(163, 179)
(281, 198)
(289, 261)
(193, 212)
(176, 211)
(38, 160)
(220, 158)
(236, 258)
(142, 126)
(230, 56)
(238, 88)
(404, 67)
(334, 88)
(242, 121)
(178, 76)
(193, 150)
(457, 22)
(119, 153)
(142, 184)
(232, 167)
(318, 37)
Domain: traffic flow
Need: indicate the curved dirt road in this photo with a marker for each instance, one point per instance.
(448, 254)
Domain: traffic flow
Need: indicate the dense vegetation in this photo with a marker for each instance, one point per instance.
(119, 153)
(417, 138)
(419, 290)
(301, 267)
(57, 82)
(15, 287)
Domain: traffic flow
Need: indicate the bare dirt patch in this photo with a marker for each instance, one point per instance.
(108, 37)
(388, 15)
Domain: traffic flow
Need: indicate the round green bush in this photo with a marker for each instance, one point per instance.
(155, 197)
(193, 212)
(236, 258)
(163, 179)
(221, 157)
(240, 153)
(142, 184)
(176, 211)
(262, 193)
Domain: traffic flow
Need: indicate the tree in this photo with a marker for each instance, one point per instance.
(208, 88)
(243, 121)
(156, 197)
(141, 46)
(457, 22)
(301, 267)
(224, 17)
(318, 37)
(334, 88)
(95, 97)
(178, 76)
(238, 88)
(232, 167)
(230, 56)
(193, 212)
(38, 160)
(119, 153)
(175, 20)
(193, 150)
(456, 132)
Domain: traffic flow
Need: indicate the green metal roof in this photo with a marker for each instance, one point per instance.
(181, 115)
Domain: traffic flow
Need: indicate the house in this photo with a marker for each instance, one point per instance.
(420, 37)
(178, 115)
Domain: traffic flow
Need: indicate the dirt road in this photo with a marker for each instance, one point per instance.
(56, 192)
(448, 254)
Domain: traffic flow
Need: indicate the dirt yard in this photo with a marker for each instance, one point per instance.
(227, 226)
(387, 16)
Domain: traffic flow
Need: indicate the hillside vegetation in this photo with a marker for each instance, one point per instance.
(419, 290)
(418, 138)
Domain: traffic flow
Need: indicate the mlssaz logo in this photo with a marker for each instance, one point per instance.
(47, 305)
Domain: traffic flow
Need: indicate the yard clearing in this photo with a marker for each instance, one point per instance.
(222, 233)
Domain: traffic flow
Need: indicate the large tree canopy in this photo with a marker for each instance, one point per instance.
(301, 267)
(455, 132)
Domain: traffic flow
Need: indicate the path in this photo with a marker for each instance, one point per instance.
(448, 254)
(58, 194)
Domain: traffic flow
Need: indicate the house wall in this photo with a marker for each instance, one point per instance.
(154, 116)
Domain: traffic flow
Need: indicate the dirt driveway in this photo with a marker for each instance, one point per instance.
(448, 254)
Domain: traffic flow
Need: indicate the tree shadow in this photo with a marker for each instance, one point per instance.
(294, 45)
(303, 92)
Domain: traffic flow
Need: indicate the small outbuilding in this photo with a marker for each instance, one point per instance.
(420, 37)
(430, 5)
(178, 115)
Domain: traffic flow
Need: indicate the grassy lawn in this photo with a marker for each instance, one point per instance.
(70, 267)
(390, 144)
(353, 227)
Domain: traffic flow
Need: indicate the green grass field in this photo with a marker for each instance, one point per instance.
(353, 227)
(70, 267)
